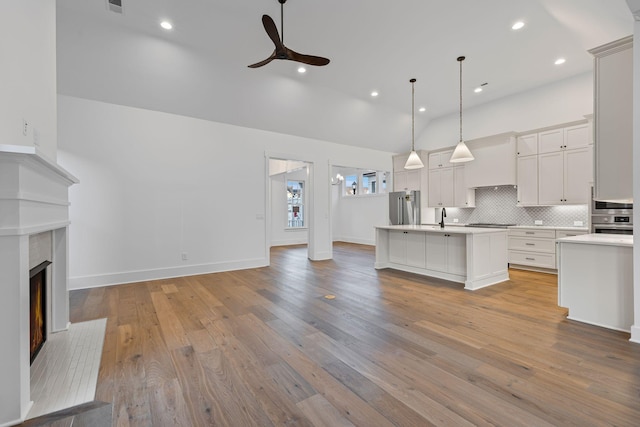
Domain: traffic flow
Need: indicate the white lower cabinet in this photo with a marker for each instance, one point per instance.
(535, 248)
(446, 253)
(407, 248)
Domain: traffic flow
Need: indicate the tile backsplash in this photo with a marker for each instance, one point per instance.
(498, 205)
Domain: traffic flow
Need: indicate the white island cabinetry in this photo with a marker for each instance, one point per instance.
(595, 279)
(476, 257)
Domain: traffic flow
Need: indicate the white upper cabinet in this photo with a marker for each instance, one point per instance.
(578, 136)
(407, 180)
(613, 120)
(562, 170)
(527, 180)
(527, 145)
(441, 188)
(440, 159)
(564, 177)
(550, 141)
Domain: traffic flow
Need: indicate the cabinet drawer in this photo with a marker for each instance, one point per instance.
(533, 259)
(533, 245)
(561, 233)
(530, 232)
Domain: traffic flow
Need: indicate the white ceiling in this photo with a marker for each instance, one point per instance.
(200, 69)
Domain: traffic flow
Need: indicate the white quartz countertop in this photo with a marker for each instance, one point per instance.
(446, 229)
(600, 239)
(551, 227)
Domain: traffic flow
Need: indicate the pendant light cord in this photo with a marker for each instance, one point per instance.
(460, 59)
(413, 118)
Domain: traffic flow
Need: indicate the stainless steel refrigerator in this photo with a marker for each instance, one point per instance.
(404, 207)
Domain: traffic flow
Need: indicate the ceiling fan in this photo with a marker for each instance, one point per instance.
(281, 51)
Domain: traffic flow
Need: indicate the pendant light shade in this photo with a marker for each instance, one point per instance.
(461, 153)
(413, 162)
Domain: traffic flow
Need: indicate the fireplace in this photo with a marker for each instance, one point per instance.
(34, 202)
(38, 309)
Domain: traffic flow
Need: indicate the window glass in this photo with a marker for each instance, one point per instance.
(295, 204)
(351, 185)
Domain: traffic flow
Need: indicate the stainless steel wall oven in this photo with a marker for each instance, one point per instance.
(611, 217)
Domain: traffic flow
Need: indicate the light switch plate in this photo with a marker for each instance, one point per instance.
(538, 222)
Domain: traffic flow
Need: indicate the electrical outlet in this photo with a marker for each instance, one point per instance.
(455, 219)
(184, 256)
(25, 127)
(577, 223)
(538, 222)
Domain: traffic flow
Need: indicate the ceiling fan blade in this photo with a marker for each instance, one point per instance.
(306, 59)
(265, 62)
(272, 31)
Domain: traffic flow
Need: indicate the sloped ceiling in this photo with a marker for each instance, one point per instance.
(199, 69)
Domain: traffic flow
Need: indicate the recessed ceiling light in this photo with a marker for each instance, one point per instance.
(478, 89)
(560, 61)
(374, 93)
(422, 109)
(518, 25)
(166, 25)
(302, 70)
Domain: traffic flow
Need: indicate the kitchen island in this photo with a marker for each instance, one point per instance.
(476, 257)
(595, 279)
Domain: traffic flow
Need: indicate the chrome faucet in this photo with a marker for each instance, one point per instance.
(443, 214)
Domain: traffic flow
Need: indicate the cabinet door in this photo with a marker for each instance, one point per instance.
(397, 247)
(399, 161)
(444, 159)
(415, 244)
(446, 187)
(527, 145)
(436, 252)
(400, 181)
(551, 178)
(527, 178)
(435, 198)
(413, 179)
(457, 254)
(461, 193)
(613, 115)
(434, 161)
(551, 140)
(578, 175)
(576, 136)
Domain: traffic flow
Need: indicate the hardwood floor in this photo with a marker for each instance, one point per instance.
(265, 347)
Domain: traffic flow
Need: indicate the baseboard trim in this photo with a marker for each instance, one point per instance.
(356, 240)
(96, 281)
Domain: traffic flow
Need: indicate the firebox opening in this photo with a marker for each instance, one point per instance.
(38, 310)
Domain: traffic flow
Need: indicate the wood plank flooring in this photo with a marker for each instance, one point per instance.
(263, 347)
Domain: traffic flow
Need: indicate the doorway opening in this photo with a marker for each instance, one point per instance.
(289, 200)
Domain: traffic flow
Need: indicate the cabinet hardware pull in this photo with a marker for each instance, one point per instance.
(529, 232)
(530, 259)
(530, 244)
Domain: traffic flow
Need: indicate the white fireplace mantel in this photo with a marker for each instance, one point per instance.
(34, 198)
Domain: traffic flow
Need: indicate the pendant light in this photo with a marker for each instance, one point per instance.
(461, 153)
(413, 162)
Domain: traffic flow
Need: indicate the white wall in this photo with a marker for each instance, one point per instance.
(355, 217)
(565, 101)
(280, 234)
(154, 185)
(28, 74)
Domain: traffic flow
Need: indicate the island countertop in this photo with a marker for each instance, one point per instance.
(454, 229)
(600, 239)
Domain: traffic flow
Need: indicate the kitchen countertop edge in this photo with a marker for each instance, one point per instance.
(599, 239)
